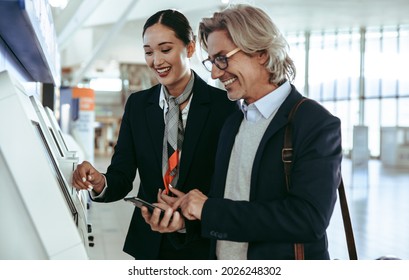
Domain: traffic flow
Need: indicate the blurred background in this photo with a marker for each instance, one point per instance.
(350, 56)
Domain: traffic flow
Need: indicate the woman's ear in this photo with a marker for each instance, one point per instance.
(191, 47)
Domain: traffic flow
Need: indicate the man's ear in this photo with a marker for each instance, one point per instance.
(191, 47)
(262, 57)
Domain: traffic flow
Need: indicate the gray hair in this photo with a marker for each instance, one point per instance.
(252, 30)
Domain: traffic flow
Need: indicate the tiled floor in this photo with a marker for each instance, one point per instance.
(378, 203)
(379, 208)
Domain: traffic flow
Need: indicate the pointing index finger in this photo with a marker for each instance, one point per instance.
(176, 191)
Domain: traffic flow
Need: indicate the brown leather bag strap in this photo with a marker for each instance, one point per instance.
(287, 151)
(347, 222)
(287, 157)
(299, 251)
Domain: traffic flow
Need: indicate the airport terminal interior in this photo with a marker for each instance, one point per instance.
(68, 67)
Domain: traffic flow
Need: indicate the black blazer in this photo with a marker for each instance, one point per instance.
(274, 219)
(139, 147)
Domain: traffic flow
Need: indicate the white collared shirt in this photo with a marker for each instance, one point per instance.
(267, 105)
(163, 104)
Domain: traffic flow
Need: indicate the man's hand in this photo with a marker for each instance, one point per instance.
(191, 204)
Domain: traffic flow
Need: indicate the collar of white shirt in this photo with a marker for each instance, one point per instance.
(266, 106)
(163, 104)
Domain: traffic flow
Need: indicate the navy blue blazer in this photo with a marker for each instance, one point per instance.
(139, 147)
(274, 219)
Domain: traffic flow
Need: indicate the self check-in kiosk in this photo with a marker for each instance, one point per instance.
(66, 160)
(68, 147)
(67, 142)
(59, 145)
(59, 135)
(40, 218)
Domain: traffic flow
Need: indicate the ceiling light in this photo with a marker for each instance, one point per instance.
(106, 84)
(58, 3)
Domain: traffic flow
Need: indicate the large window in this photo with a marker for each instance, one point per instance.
(403, 61)
(372, 120)
(384, 81)
(297, 54)
(379, 97)
(333, 75)
(403, 112)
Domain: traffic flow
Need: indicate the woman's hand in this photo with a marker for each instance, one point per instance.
(86, 177)
(171, 221)
(168, 199)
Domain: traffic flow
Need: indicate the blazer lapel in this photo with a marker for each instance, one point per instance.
(155, 122)
(279, 121)
(198, 113)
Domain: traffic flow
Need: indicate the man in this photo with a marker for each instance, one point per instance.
(250, 213)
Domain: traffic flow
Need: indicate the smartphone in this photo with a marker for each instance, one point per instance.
(140, 202)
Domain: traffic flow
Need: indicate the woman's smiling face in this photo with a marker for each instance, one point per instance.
(167, 56)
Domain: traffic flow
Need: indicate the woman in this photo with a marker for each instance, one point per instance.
(167, 144)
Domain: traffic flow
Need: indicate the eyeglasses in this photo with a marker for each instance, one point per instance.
(220, 61)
